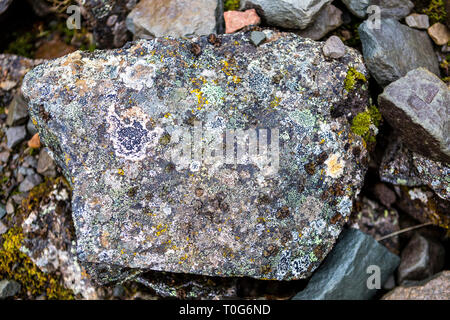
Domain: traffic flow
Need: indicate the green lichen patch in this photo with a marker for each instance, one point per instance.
(352, 78)
(231, 5)
(436, 11)
(362, 124)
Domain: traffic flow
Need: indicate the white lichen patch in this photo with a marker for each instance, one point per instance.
(139, 75)
(335, 166)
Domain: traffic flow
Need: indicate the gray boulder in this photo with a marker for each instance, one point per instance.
(396, 9)
(15, 135)
(344, 275)
(150, 187)
(328, 19)
(417, 106)
(394, 49)
(290, 14)
(176, 18)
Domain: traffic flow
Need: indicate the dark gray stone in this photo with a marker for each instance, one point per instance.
(334, 48)
(417, 106)
(2, 211)
(328, 19)
(286, 13)
(46, 165)
(15, 135)
(420, 259)
(31, 128)
(116, 132)
(343, 275)
(9, 288)
(395, 49)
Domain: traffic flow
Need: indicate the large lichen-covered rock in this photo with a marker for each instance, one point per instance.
(114, 121)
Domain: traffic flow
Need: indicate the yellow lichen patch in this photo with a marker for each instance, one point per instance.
(120, 172)
(201, 100)
(335, 166)
(14, 264)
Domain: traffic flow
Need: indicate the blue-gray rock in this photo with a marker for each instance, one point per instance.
(31, 128)
(176, 18)
(9, 288)
(394, 49)
(15, 135)
(117, 134)
(257, 37)
(4, 4)
(396, 9)
(420, 259)
(30, 182)
(2, 211)
(418, 107)
(344, 273)
(286, 13)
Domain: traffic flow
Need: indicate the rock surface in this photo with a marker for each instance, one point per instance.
(439, 33)
(395, 49)
(115, 122)
(418, 105)
(436, 287)
(396, 9)
(107, 19)
(418, 21)
(15, 135)
(334, 48)
(286, 13)
(185, 18)
(401, 166)
(4, 4)
(8, 288)
(420, 259)
(328, 19)
(343, 275)
(236, 20)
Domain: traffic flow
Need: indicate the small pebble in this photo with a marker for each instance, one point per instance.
(257, 37)
(418, 21)
(334, 48)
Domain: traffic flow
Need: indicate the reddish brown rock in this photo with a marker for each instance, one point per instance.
(236, 20)
(35, 142)
(434, 288)
(54, 48)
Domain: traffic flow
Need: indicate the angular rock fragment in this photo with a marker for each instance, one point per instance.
(9, 288)
(236, 20)
(417, 106)
(395, 49)
(15, 135)
(286, 13)
(420, 259)
(328, 19)
(418, 21)
(153, 190)
(334, 48)
(176, 18)
(344, 273)
(436, 287)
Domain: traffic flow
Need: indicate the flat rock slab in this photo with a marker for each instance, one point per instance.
(115, 119)
(345, 272)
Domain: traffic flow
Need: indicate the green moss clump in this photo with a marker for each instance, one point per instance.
(352, 77)
(436, 11)
(231, 5)
(16, 265)
(362, 122)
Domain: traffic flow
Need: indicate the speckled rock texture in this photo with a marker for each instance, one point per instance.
(291, 14)
(401, 166)
(395, 49)
(344, 273)
(176, 18)
(436, 287)
(114, 119)
(107, 19)
(418, 105)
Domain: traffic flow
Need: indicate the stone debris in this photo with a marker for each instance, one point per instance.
(439, 33)
(334, 48)
(328, 19)
(418, 21)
